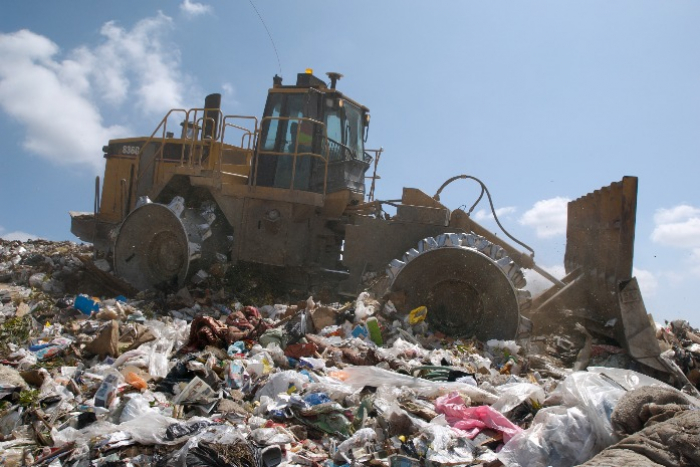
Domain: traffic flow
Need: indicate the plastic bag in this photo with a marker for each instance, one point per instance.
(155, 355)
(361, 376)
(363, 309)
(158, 363)
(136, 357)
(235, 374)
(558, 437)
(148, 428)
(277, 355)
(285, 382)
(597, 397)
(269, 436)
(443, 446)
(136, 407)
(357, 440)
(474, 419)
(10, 421)
(512, 395)
(312, 363)
(581, 427)
(335, 389)
(178, 430)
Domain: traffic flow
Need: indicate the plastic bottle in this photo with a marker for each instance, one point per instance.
(374, 332)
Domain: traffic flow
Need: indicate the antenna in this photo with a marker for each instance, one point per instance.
(268, 35)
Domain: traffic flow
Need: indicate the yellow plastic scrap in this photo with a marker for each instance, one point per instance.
(417, 315)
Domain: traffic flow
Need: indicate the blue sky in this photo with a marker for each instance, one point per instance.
(544, 101)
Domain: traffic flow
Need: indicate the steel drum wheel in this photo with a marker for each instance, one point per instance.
(469, 285)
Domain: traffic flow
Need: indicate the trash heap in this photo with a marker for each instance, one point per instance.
(199, 379)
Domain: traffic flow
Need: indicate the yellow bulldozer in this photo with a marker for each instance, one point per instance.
(289, 191)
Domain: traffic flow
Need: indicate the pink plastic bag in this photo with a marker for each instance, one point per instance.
(473, 419)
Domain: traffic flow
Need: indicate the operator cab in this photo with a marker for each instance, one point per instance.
(312, 138)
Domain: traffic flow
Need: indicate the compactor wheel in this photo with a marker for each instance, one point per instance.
(157, 243)
(469, 285)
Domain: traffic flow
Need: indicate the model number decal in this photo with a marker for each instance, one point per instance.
(130, 150)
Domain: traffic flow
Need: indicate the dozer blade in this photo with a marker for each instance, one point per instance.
(598, 261)
(469, 285)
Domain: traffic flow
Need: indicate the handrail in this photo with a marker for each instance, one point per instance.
(197, 118)
(163, 123)
(247, 133)
(244, 129)
(374, 177)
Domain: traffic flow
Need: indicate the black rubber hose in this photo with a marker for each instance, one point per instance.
(436, 197)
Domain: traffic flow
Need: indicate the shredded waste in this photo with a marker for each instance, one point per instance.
(89, 377)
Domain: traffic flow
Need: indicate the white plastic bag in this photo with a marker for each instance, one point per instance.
(282, 383)
(363, 308)
(136, 406)
(578, 429)
(559, 437)
(357, 440)
(361, 376)
(513, 394)
(442, 445)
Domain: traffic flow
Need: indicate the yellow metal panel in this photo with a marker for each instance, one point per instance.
(415, 197)
(113, 196)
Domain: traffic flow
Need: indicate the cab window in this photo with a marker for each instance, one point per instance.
(271, 126)
(353, 131)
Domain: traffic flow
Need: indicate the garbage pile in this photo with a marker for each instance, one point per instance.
(199, 379)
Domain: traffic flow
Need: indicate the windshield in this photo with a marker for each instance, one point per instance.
(353, 130)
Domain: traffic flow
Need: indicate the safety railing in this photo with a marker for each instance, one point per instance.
(248, 137)
(375, 176)
(162, 127)
(197, 146)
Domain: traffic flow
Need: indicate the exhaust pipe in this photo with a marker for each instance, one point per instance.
(212, 106)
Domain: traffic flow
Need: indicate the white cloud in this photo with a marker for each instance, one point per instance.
(648, 282)
(678, 226)
(17, 235)
(58, 100)
(675, 214)
(547, 217)
(139, 56)
(194, 8)
(228, 89)
(482, 214)
(61, 122)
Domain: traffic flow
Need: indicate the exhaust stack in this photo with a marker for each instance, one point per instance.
(212, 106)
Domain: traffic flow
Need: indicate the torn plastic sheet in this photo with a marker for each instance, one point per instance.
(359, 439)
(473, 419)
(559, 437)
(512, 395)
(361, 376)
(580, 428)
(441, 445)
(284, 382)
(146, 429)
